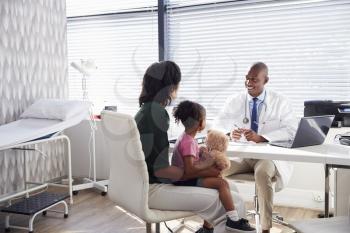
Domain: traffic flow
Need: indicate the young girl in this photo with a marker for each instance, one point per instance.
(187, 156)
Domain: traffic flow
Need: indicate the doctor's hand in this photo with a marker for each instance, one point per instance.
(250, 135)
(236, 134)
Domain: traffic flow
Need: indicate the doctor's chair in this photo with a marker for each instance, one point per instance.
(128, 180)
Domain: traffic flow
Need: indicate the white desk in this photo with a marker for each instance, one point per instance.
(266, 151)
(331, 155)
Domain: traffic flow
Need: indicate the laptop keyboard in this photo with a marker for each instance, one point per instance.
(287, 144)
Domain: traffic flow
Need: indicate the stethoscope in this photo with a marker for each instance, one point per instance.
(246, 119)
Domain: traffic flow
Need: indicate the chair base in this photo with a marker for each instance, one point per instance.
(256, 216)
(276, 218)
(177, 228)
(279, 220)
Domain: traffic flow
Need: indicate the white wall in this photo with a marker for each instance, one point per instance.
(33, 65)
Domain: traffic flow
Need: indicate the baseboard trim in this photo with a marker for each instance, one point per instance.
(290, 197)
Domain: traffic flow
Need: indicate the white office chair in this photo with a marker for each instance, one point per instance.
(249, 177)
(128, 181)
(322, 225)
(339, 224)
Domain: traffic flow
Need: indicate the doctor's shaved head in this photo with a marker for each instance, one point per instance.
(256, 78)
(256, 68)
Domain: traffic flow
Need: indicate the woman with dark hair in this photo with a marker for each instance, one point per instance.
(159, 87)
(160, 82)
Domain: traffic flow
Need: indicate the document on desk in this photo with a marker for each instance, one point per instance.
(241, 143)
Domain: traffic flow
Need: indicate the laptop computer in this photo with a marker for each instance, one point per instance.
(311, 131)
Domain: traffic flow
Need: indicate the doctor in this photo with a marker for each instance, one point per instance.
(260, 115)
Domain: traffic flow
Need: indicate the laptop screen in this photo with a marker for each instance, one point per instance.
(312, 130)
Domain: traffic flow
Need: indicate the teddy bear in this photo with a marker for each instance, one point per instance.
(216, 146)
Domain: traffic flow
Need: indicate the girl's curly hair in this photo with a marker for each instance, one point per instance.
(189, 113)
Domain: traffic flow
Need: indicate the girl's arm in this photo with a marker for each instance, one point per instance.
(204, 164)
(192, 171)
(206, 160)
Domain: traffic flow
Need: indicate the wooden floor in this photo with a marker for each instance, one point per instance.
(93, 213)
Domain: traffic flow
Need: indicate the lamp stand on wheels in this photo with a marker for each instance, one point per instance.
(89, 182)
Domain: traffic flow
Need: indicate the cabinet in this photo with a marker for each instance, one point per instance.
(341, 180)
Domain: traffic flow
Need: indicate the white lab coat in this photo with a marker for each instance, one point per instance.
(276, 122)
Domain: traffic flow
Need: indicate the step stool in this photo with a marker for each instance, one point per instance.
(34, 205)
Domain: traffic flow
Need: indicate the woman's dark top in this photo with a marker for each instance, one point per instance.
(153, 123)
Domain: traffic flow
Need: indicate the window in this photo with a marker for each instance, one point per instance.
(305, 44)
(122, 38)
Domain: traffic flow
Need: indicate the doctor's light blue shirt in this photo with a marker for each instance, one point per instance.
(261, 99)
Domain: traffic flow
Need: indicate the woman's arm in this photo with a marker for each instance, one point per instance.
(192, 171)
(203, 169)
(171, 172)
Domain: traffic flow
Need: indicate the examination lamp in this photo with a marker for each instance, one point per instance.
(84, 67)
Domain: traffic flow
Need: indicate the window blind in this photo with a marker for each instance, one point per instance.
(122, 42)
(97, 7)
(306, 45)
